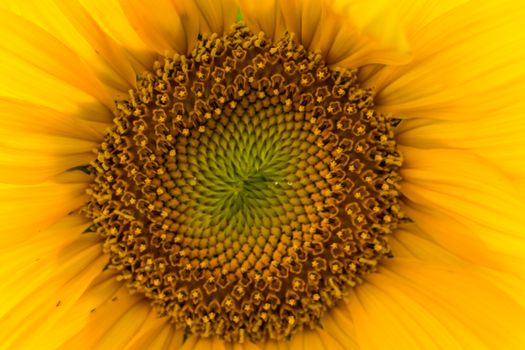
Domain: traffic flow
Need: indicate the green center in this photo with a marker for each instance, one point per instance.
(245, 171)
(238, 172)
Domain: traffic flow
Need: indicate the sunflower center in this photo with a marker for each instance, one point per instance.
(245, 187)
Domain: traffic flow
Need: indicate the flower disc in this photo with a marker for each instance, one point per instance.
(244, 187)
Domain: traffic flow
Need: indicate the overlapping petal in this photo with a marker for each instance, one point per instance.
(331, 28)
(466, 63)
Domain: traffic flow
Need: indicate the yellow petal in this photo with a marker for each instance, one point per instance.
(116, 319)
(163, 27)
(38, 143)
(275, 345)
(244, 346)
(418, 13)
(511, 285)
(314, 339)
(169, 338)
(409, 242)
(23, 81)
(263, 16)
(410, 305)
(197, 343)
(25, 167)
(155, 333)
(382, 324)
(303, 18)
(25, 42)
(18, 116)
(174, 25)
(333, 28)
(380, 21)
(118, 334)
(32, 257)
(338, 323)
(467, 62)
(111, 18)
(109, 52)
(215, 16)
(81, 27)
(191, 343)
(102, 290)
(30, 209)
(42, 279)
(465, 205)
(320, 339)
(498, 137)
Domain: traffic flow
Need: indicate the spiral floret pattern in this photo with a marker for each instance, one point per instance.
(245, 187)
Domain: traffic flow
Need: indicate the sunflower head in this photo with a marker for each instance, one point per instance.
(296, 174)
(245, 186)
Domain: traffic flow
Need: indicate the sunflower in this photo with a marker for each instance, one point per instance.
(317, 174)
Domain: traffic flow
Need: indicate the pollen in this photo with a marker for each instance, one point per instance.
(245, 187)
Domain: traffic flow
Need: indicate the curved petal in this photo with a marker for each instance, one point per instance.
(27, 210)
(245, 346)
(38, 143)
(214, 343)
(275, 345)
(416, 14)
(114, 319)
(379, 22)
(339, 325)
(112, 327)
(467, 62)
(498, 137)
(317, 339)
(409, 242)
(43, 278)
(511, 285)
(121, 38)
(263, 16)
(113, 55)
(413, 304)
(197, 343)
(172, 25)
(465, 205)
(111, 19)
(163, 27)
(111, 48)
(156, 333)
(334, 28)
(26, 165)
(33, 50)
(18, 116)
(216, 16)
(307, 339)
